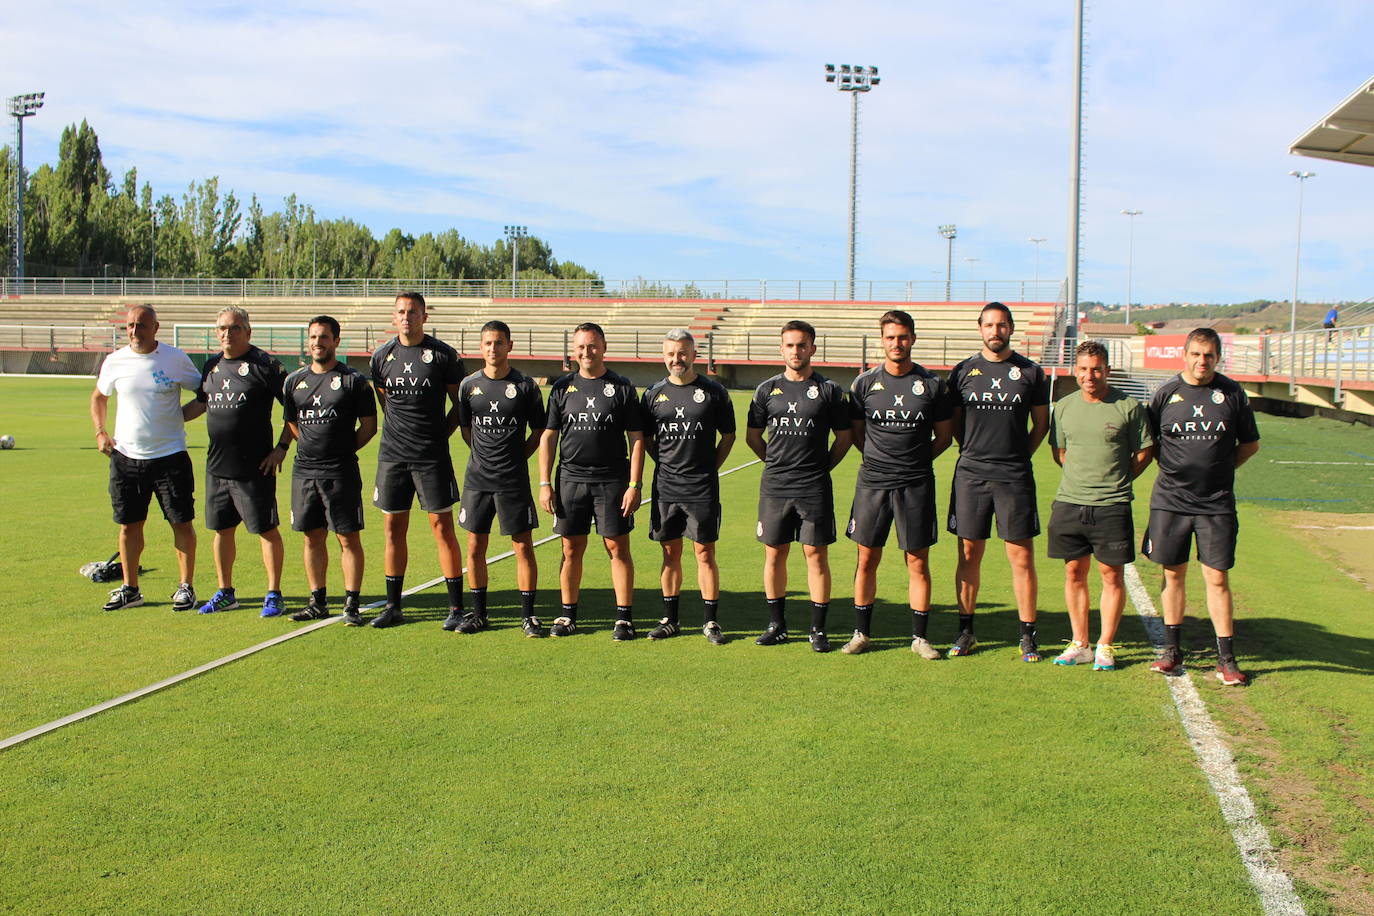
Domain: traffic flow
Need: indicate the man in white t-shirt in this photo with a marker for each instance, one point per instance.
(148, 450)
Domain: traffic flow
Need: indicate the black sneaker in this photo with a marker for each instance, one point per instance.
(389, 617)
(455, 617)
(352, 616)
(624, 631)
(472, 622)
(312, 611)
(713, 634)
(665, 629)
(532, 627)
(122, 597)
(563, 626)
(773, 636)
(819, 641)
(184, 598)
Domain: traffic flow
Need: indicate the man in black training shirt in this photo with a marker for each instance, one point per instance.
(237, 388)
(592, 414)
(332, 413)
(501, 415)
(903, 420)
(800, 408)
(689, 426)
(414, 375)
(1204, 429)
(996, 390)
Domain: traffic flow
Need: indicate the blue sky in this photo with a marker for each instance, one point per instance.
(703, 143)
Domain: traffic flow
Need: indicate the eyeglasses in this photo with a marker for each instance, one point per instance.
(224, 328)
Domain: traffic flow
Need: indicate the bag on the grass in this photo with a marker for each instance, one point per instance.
(110, 570)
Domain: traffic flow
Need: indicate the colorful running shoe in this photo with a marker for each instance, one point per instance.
(1105, 657)
(1076, 654)
(963, 645)
(1030, 652)
(272, 605)
(221, 600)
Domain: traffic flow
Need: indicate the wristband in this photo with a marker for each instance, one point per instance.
(545, 483)
(634, 485)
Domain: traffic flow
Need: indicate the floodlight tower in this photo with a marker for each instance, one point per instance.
(1297, 259)
(949, 232)
(854, 80)
(1036, 242)
(21, 107)
(1130, 260)
(513, 235)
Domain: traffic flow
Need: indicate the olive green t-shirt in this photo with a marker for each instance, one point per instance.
(1100, 441)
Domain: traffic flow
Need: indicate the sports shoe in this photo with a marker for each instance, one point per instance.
(352, 616)
(922, 647)
(563, 626)
(1229, 673)
(312, 611)
(773, 636)
(184, 598)
(963, 645)
(389, 617)
(532, 627)
(1075, 654)
(713, 634)
(1170, 662)
(122, 597)
(858, 643)
(272, 605)
(665, 629)
(455, 617)
(624, 631)
(472, 622)
(1105, 657)
(1030, 652)
(220, 601)
(819, 641)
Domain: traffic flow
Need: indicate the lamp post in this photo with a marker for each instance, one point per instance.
(21, 107)
(1130, 260)
(1297, 259)
(854, 80)
(152, 244)
(948, 232)
(1036, 242)
(970, 262)
(513, 235)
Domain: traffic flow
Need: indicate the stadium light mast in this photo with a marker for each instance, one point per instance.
(1036, 242)
(1075, 181)
(948, 232)
(854, 80)
(21, 107)
(513, 235)
(1297, 259)
(1130, 260)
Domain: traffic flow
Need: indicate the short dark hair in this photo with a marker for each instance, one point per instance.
(1092, 348)
(1206, 334)
(498, 326)
(897, 316)
(327, 322)
(593, 327)
(999, 307)
(415, 297)
(796, 324)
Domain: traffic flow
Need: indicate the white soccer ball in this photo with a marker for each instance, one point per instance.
(6, 442)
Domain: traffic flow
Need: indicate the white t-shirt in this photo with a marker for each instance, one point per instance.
(148, 420)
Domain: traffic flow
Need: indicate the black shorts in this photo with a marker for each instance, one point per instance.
(252, 501)
(912, 508)
(973, 503)
(808, 520)
(694, 521)
(398, 483)
(133, 481)
(1106, 532)
(1169, 538)
(578, 503)
(335, 503)
(514, 509)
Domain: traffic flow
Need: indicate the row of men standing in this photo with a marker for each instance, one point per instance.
(899, 415)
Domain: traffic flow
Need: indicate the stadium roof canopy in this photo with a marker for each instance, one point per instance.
(1346, 134)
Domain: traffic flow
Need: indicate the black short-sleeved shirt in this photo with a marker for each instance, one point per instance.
(1197, 429)
(899, 414)
(684, 421)
(238, 396)
(499, 413)
(997, 399)
(592, 416)
(415, 383)
(325, 407)
(800, 417)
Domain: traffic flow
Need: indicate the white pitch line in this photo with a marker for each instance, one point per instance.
(1358, 464)
(1335, 527)
(251, 650)
(1275, 888)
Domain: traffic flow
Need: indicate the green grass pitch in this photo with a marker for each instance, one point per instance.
(412, 770)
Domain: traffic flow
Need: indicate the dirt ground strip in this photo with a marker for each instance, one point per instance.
(1346, 540)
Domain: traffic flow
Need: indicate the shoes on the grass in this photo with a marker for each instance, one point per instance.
(532, 627)
(352, 616)
(1229, 673)
(221, 600)
(858, 643)
(713, 634)
(472, 622)
(1030, 652)
(1170, 661)
(922, 647)
(562, 626)
(312, 611)
(963, 645)
(273, 605)
(624, 631)
(1075, 654)
(122, 597)
(1104, 659)
(455, 617)
(773, 636)
(184, 598)
(389, 617)
(665, 629)
(819, 641)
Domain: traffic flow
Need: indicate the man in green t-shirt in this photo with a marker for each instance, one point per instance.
(1101, 438)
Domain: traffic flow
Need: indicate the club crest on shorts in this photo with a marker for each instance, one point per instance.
(376, 494)
(813, 392)
(426, 356)
(698, 395)
(852, 525)
(609, 390)
(918, 387)
(462, 515)
(759, 529)
(336, 383)
(1014, 373)
(1218, 397)
(510, 390)
(243, 368)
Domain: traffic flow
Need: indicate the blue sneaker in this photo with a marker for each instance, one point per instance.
(221, 600)
(272, 605)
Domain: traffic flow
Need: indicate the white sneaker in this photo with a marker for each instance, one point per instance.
(922, 647)
(857, 644)
(1076, 654)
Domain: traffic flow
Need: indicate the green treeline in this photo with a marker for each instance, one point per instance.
(79, 222)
